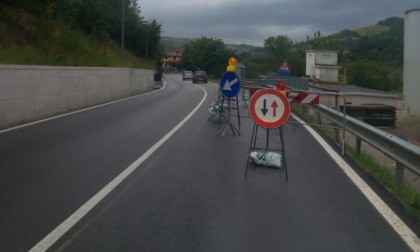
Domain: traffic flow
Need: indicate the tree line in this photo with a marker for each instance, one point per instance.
(101, 19)
(374, 61)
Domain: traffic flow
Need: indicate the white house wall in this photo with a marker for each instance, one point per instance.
(310, 63)
(326, 58)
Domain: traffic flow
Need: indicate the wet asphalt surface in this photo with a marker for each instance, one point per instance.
(189, 195)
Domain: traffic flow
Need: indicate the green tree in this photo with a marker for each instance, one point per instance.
(368, 74)
(152, 43)
(209, 54)
(102, 19)
(254, 62)
(297, 62)
(277, 49)
(282, 48)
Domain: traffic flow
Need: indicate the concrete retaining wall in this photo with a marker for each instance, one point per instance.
(29, 93)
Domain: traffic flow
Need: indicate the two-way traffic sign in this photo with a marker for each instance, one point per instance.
(230, 84)
(269, 108)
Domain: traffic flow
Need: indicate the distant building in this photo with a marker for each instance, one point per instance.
(321, 65)
(241, 70)
(170, 62)
(371, 106)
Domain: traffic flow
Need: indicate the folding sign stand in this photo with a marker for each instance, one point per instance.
(229, 86)
(281, 151)
(269, 109)
(228, 118)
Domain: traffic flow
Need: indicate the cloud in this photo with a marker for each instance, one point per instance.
(250, 21)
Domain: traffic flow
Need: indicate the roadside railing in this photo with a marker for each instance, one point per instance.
(405, 154)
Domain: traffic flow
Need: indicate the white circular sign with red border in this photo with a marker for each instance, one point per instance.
(269, 108)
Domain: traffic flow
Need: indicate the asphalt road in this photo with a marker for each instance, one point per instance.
(190, 194)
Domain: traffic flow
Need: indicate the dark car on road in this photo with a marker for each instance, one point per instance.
(199, 76)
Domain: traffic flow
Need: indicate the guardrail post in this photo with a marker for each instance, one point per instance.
(358, 145)
(337, 133)
(401, 151)
(399, 172)
(319, 118)
(399, 176)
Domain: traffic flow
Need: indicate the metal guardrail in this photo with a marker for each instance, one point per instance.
(404, 153)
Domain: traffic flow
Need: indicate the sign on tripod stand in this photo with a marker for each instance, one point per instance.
(269, 108)
(230, 84)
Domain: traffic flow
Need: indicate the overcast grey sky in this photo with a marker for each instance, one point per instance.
(253, 21)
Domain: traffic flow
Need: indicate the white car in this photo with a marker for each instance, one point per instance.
(187, 75)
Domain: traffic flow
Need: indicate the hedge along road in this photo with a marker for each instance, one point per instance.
(189, 194)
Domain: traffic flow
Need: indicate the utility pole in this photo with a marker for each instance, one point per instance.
(346, 56)
(122, 29)
(147, 42)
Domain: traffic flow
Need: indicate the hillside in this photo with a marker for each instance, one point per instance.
(371, 30)
(243, 48)
(87, 33)
(344, 38)
(29, 36)
(171, 44)
(375, 53)
(382, 41)
(375, 58)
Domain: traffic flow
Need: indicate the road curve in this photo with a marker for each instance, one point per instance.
(190, 194)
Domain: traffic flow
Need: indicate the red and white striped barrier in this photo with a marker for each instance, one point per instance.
(301, 97)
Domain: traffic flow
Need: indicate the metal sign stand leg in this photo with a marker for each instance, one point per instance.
(252, 147)
(228, 123)
(283, 152)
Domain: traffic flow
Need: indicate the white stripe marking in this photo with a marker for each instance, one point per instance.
(65, 226)
(397, 224)
(309, 98)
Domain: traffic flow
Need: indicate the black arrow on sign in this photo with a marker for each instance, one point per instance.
(264, 110)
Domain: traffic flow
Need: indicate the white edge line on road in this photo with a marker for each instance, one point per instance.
(397, 224)
(65, 226)
(79, 111)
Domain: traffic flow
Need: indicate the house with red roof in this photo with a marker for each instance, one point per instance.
(170, 62)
